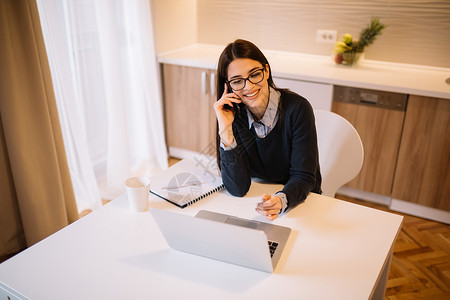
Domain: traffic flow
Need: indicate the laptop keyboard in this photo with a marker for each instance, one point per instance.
(272, 246)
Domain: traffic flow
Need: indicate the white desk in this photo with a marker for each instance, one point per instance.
(337, 250)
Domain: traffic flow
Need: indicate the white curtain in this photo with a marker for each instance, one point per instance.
(106, 78)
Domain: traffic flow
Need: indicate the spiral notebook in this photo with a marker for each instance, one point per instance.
(187, 181)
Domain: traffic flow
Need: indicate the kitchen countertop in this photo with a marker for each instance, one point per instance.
(368, 74)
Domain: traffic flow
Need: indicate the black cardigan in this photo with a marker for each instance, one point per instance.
(287, 155)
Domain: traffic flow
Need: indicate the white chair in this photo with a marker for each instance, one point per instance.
(341, 151)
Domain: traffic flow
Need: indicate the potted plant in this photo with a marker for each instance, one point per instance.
(348, 51)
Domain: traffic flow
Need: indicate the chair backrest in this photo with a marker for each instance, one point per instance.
(341, 151)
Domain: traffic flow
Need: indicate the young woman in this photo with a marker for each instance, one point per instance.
(263, 131)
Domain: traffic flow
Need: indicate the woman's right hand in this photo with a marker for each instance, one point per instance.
(225, 115)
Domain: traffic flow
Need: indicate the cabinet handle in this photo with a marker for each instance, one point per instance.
(212, 84)
(204, 83)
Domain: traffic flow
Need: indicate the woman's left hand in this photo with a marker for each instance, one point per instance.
(269, 207)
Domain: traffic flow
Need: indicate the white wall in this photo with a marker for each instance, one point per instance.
(175, 23)
(417, 33)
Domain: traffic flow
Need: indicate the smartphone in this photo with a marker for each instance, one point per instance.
(235, 107)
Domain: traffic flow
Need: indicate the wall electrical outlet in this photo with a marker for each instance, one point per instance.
(326, 36)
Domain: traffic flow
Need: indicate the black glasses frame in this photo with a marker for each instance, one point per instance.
(245, 79)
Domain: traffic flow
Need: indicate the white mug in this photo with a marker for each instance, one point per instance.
(138, 192)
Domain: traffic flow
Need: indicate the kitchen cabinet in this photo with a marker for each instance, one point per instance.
(318, 94)
(189, 94)
(423, 169)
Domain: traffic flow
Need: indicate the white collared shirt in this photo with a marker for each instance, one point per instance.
(264, 126)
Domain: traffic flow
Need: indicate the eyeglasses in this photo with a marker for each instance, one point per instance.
(255, 77)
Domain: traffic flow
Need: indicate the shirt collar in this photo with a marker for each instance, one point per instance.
(271, 110)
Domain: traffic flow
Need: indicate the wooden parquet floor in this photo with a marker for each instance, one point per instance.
(420, 267)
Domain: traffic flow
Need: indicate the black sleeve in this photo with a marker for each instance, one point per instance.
(235, 172)
(304, 160)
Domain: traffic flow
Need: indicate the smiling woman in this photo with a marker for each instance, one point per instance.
(263, 131)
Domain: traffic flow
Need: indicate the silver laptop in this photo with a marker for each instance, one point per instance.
(247, 243)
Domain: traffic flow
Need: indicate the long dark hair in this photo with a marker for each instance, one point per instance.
(237, 49)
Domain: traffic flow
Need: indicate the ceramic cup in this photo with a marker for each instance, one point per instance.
(138, 192)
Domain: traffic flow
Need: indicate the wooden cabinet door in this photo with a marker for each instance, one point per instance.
(380, 131)
(188, 107)
(423, 168)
